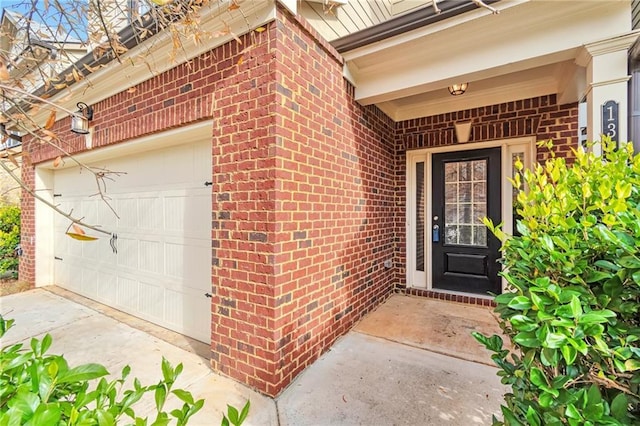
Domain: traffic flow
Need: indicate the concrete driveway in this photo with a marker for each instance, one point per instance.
(362, 380)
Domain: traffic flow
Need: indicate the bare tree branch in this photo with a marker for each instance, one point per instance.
(32, 193)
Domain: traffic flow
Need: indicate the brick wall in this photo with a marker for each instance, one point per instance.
(26, 268)
(541, 117)
(336, 198)
(177, 97)
(305, 212)
(245, 226)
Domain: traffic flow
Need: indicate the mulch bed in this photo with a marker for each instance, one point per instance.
(10, 286)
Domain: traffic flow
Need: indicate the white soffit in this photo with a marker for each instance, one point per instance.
(405, 74)
(525, 84)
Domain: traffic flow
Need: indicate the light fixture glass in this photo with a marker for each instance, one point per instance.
(458, 89)
(80, 120)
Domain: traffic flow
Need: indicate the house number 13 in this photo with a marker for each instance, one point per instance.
(610, 120)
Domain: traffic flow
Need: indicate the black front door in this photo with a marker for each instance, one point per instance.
(466, 188)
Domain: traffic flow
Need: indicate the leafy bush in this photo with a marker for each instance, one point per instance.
(235, 417)
(41, 389)
(572, 312)
(9, 238)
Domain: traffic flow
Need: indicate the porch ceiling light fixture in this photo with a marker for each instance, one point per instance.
(80, 120)
(458, 89)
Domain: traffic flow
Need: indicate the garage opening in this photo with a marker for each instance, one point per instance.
(162, 269)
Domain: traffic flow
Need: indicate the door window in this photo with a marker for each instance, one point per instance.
(465, 187)
(420, 215)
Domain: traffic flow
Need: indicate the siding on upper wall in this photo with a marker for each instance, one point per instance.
(635, 14)
(399, 7)
(340, 21)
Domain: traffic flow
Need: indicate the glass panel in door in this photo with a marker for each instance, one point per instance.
(465, 186)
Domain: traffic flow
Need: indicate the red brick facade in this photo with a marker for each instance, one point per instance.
(27, 266)
(305, 192)
(541, 117)
(308, 188)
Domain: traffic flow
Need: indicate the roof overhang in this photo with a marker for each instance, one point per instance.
(529, 49)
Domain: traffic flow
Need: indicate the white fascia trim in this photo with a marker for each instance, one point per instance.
(109, 80)
(610, 45)
(427, 30)
(327, 2)
(291, 5)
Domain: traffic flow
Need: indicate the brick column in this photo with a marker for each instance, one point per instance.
(305, 214)
(244, 227)
(27, 267)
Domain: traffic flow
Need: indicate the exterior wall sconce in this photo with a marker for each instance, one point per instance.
(8, 139)
(80, 120)
(458, 89)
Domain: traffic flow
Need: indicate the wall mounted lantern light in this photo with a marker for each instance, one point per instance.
(80, 120)
(458, 89)
(8, 139)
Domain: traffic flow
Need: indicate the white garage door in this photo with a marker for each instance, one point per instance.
(162, 269)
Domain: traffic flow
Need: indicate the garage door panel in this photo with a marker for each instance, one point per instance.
(106, 217)
(151, 257)
(63, 273)
(90, 211)
(186, 313)
(128, 212)
(198, 277)
(174, 260)
(174, 159)
(75, 181)
(128, 252)
(181, 259)
(107, 286)
(75, 247)
(185, 214)
(150, 213)
(90, 251)
(73, 278)
(163, 265)
(152, 300)
(127, 295)
(90, 283)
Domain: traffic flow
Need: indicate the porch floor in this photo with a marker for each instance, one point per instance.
(435, 325)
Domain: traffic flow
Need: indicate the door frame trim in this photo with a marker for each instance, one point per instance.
(423, 279)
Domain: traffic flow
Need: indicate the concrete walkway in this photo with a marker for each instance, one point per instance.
(85, 335)
(362, 380)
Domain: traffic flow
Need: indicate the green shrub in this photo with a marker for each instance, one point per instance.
(9, 238)
(41, 390)
(574, 294)
(235, 417)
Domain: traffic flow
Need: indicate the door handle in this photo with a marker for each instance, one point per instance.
(209, 295)
(435, 237)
